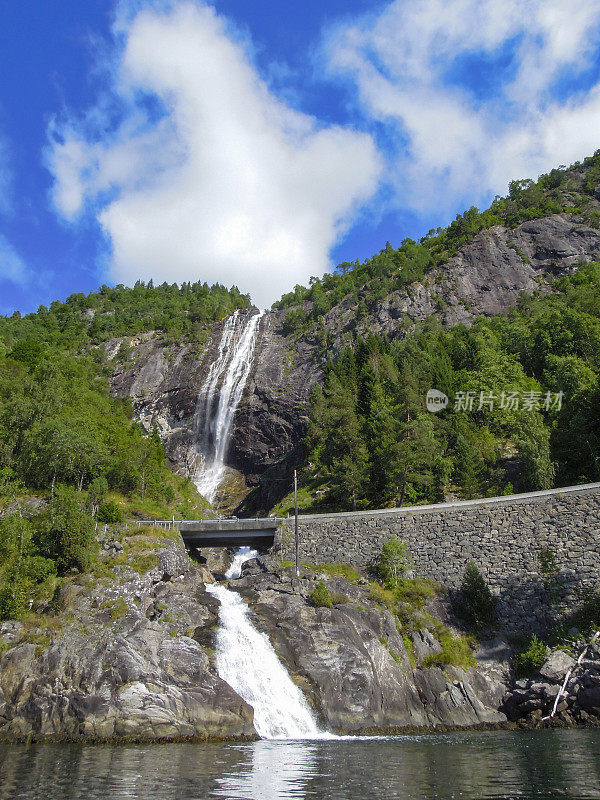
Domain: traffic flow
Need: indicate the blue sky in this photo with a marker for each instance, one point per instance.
(260, 143)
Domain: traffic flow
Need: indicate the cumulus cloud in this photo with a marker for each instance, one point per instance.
(208, 175)
(469, 92)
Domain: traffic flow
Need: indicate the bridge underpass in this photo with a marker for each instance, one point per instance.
(257, 533)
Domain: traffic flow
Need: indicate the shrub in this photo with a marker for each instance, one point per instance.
(548, 567)
(37, 569)
(530, 660)
(321, 596)
(475, 603)
(67, 534)
(414, 591)
(13, 599)
(15, 536)
(109, 513)
(97, 491)
(394, 561)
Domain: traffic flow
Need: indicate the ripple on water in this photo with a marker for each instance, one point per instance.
(472, 766)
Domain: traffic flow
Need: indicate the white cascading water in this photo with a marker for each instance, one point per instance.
(214, 418)
(246, 660)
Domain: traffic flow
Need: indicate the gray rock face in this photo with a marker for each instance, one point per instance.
(354, 666)
(124, 659)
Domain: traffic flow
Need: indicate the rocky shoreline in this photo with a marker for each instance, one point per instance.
(563, 693)
(126, 654)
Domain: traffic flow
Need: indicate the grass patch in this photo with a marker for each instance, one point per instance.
(154, 532)
(184, 502)
(381, 596)
(457, 651)
(118, 610)
(143, 562)
(313, 497)
(415, 591)
(410, 650)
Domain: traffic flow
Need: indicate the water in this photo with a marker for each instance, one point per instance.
(220, 397)
(246, 660)
(470, 766)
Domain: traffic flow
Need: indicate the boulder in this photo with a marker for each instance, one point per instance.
(556, 666)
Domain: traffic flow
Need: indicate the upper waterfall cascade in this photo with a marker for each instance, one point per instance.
(219, 398)
(246, 660)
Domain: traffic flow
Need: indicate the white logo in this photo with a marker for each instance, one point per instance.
(436, 400)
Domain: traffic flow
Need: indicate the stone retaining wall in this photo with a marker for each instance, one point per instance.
(504, 536)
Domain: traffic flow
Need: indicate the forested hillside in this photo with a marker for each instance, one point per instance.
(371, 442)
(570, 190)
(71, 455)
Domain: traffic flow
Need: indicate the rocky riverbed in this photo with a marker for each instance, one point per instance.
(126, 652)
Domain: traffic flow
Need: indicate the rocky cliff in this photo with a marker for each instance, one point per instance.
(485, 277)
(360, 672)
(122, 654)
(128, 653)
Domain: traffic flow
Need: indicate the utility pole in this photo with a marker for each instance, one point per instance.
(296, 522)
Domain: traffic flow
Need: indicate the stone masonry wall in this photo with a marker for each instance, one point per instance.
(504, 536)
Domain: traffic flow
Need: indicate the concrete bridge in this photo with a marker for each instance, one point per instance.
(225, 532)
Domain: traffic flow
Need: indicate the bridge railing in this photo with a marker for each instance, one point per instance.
(174, 523)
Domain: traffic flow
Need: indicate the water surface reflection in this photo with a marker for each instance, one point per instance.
(501, 764)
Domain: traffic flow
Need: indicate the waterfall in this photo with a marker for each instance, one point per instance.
(246, 660)
(214, 418)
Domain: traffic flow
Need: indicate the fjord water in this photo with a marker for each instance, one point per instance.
(246, 660)
(471, 766)
(219, 398)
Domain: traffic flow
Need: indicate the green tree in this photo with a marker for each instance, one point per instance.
(394, 561)
(475, 603)
(533, 441)
(67, 535)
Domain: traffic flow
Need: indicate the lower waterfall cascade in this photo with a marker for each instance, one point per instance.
(246, 660)
(226, 378)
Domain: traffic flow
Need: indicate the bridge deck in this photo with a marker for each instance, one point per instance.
(226, 532)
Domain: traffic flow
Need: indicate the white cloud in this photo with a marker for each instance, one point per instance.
(452, 145)
(229, 185)
(12, 266)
